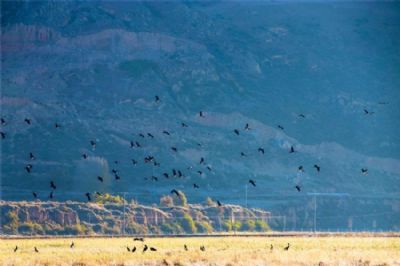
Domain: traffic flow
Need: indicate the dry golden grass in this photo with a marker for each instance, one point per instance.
(219, 251)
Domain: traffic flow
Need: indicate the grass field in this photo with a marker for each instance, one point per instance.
(218, 251)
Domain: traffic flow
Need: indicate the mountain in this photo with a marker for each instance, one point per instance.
(96, 67)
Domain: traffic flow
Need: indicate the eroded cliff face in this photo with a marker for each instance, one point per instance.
(26, 217)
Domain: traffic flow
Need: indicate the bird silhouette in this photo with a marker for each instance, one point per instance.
(157, 99)
(184, 125)
(271, 247)
(87, 194)
(166, 175)
(52, 185)
(150, 135)
(138, 239)
(51, 195)
(100, 178)
(31, 156)
(287, 247)
(145, 248)
(28, 168)
(200, 172)
(132, 144)
(128, 249)
(134, 162)
(302, 116)
(317, 167)
(153, 249)
(292, 150)
(174, 149)
(180, 173)
(174, 173)
(166, 133)
(36, 250)
(138, 144)
(3, 121)
(93, 143)
(298, 188)
(141, 135)
(236, 132)
(72, 245)
(3, 135)
(201, 160)
(84, 156)
(368, 112)
(247, 127)
(252, 182)
(364, 171)
(57, 125)
(201, 114)
(133, 249)
(209, 168)
(195, 185)
(117, 177)
(176, 192)
(16, 248)
(114, 171)
(280, 127)
(202, 248)
(34, 194)
(261, 150)
(219, 203)
(300, 168)
(185, 247)
(243, 154)
(28, 121)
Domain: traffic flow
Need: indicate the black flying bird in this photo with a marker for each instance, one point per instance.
(236, 131)
(247, 127)
(166, 133)
(87, 194)
(28, 121)
(28, 168)
(201, 114)
(174, 191)
(100, 178)
(280, 127)
(292, 150)
(52, 185)
(252, 182)
(195, 185)
(3, 135)
(34, 194)
(317, 167)
(157, 99)
(261, 150)
(364, 171)
(298, 188)
(31, 156)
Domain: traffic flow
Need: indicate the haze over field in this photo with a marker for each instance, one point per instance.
(95, 69)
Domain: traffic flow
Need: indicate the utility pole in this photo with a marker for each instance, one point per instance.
(315, 213)
(246, 194)
(123, 226)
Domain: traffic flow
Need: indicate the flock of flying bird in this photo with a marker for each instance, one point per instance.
(152, 160)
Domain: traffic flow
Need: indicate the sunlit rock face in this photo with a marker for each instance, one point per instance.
(95, 69)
